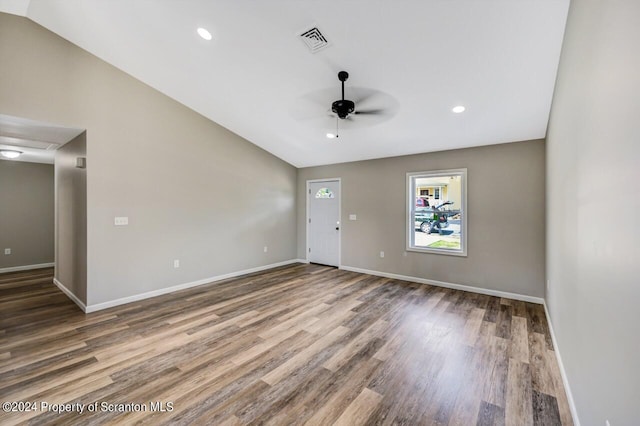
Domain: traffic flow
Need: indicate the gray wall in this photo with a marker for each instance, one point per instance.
(192, 190)
(71, 218)
(26, 213)
(505, 216)
(593, 236)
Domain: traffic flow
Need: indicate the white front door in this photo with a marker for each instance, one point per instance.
(323, 222)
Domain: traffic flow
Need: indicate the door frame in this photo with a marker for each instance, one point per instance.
(307, 195)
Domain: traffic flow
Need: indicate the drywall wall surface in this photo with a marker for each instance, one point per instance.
(505, 214)
(26, 213)
(192, 191)
(71, 218)
(593, 154)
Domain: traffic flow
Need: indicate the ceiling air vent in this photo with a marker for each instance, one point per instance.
(314, 39)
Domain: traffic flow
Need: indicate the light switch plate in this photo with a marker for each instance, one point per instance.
(121, 221)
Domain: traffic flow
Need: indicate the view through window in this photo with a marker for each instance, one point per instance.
(436, 220)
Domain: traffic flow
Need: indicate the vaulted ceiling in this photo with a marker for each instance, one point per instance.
(412, 61)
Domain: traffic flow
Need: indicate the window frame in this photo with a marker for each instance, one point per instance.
(410, 191)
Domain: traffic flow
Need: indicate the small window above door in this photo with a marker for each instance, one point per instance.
(324, 193)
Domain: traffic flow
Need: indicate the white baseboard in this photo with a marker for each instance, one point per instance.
(184, 286)
(302, 261)
(565, 380)
(70, 295)
(26, 267)
(489, 292)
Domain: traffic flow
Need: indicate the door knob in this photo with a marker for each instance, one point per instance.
(337, 228)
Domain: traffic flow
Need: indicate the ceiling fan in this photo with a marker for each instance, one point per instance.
(366, 107)
(345, 107)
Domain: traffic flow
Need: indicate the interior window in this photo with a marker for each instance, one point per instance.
(438, 227)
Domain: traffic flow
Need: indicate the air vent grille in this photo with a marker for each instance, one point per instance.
(314, 40)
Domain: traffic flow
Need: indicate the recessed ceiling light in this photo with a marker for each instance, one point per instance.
(331, 135)
(10, 153)
(204, 34)
(458, 109)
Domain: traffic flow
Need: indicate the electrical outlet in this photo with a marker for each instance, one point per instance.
(381, 254)
(266, 249)
(353, 217)
(404, 253)
(7, 251)
(121, 221)
(176, 263)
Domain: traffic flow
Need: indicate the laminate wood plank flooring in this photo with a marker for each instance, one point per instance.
(299, 344)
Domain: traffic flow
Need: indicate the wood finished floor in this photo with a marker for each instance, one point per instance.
(302, 344)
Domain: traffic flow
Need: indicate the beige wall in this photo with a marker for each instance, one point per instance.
(505, 216)
(192, 190)
(26, 213)
(71, 218)
(593, 249)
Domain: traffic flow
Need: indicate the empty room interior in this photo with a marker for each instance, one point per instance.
(303, 212)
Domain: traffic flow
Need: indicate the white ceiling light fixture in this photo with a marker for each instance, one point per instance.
(202, 32)
(458, 109)
(10, 153)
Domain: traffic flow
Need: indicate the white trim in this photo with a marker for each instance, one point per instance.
(480, 290)
(26, 267)
(302, 261)
(565, 379)
(159, 292)
(70, 295)
(307, 195)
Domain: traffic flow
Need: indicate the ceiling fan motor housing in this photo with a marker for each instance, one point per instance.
(343, 107)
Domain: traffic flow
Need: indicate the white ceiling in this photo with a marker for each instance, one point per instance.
(36, 140)
(417, 59)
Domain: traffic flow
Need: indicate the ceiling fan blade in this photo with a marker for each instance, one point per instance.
(321, 97)
(363, 95)
(370, 111)
(313, 104)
